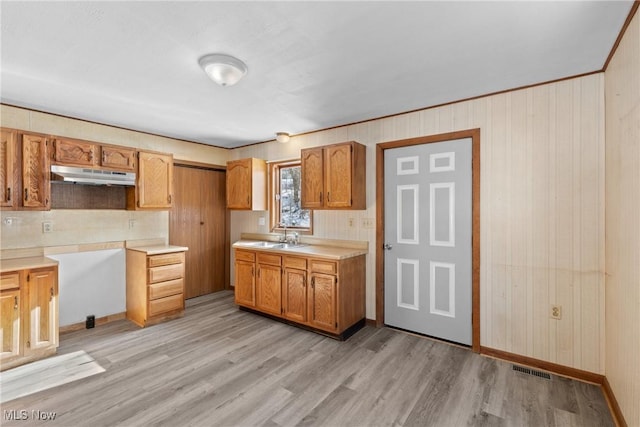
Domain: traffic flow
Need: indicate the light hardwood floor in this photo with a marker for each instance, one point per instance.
(219, 366)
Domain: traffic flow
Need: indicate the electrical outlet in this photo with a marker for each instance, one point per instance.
(7, 221)
(351, 222)
(368, 223)
(556, 312)
(47, 226)
(132, 223)
(261, 221)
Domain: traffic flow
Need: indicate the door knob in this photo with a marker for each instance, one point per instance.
(387, 247)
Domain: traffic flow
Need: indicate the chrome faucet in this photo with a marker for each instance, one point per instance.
(283, 239)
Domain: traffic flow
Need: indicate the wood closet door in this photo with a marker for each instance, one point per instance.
(198, 220)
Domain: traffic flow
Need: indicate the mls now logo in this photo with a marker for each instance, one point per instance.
(15, 415)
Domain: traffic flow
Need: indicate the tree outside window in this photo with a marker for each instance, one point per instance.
(286, 199)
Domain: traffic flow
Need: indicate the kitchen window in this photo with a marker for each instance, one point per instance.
(285, 200)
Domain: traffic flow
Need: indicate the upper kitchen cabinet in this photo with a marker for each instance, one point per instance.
(334, 176)
(154, 182)
(35, 172)
(247, 184)
(74, 152)
(120, 158)
(8, 168)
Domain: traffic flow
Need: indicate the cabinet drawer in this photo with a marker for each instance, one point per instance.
(162, 305)
(269, 259)
(166, 272)
(164, 289)
(165, 259)
(245, 256)
(318, 266)
(295, 262)
(10, 281)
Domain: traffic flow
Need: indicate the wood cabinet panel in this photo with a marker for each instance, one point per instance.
(118, 158)
(43, 306)
(35, 172)
(165, 272)
(312, 167)
(73, 152)
(321, 266)
(322, 302)
(334, 176)
(247, 184)
(166, 304)
(154, 294)
(29, 312)
(245, 256)
(294, 262)
(10, 325)
(165, 259)
(294, 295)
(245, 286)
(272, 259)
(10, 281)
(154, 182)
(269, 289)
(164, 289)
(8, 168)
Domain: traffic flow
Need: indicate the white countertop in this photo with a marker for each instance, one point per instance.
(316, 251)
(26, 263)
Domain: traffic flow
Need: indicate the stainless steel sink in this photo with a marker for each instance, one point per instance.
(289, 245)
(264, 244)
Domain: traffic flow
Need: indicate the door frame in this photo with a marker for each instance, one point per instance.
(474, 134)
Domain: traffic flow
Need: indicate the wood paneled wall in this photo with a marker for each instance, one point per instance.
(622, 88)
(542, 212)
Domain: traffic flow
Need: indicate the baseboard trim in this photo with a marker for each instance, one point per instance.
(99, 321)
(371, 322)
(564, 371)
(613, 404)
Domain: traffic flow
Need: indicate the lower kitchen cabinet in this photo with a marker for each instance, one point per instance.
(155, 284)
(29, 325)
(324, 295)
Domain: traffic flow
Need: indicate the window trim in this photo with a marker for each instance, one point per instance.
(274, 204)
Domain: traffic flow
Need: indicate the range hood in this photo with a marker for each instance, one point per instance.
(92, 176)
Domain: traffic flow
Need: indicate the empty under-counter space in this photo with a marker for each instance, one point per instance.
(155, 283)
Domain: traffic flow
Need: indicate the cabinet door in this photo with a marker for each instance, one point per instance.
(337, 176)
(294, 295)
(10, 325)
(8, 168)
(77, 153)
(312, 191)
(118, 158)
(322, 302)
(155, 180)
(42, 288)
(239, 185)
(269, 289)
(35, 172)
(245, 288)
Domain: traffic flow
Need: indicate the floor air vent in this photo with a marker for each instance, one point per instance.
(531, 372)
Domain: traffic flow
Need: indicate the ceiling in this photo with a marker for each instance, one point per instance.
(312, 65)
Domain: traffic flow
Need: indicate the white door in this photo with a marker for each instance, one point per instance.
(428, 231)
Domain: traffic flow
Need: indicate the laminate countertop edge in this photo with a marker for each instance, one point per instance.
(315, 251)
(26, 263)
(158, 249)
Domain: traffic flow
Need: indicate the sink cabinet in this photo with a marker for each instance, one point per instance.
(29, 307)
(325, 295)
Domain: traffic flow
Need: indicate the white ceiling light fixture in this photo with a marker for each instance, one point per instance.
(223, 69)
(282, 137)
